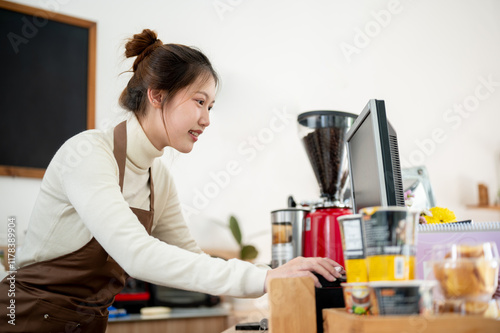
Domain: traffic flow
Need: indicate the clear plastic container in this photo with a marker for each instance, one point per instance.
(402, 297)
(467, 272)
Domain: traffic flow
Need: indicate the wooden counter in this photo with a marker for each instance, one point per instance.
(292, 310)
(233, 330)
(203, 320)
(338, 320)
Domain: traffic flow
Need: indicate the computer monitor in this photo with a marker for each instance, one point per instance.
(374, 168)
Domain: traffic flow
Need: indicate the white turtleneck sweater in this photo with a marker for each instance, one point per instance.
(80, 198)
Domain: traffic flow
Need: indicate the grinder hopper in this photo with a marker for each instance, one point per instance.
(323, 134)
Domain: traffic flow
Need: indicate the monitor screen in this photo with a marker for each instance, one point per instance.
(374, 167)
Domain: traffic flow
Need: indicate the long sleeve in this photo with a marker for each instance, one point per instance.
(80, 198)
(92, 188)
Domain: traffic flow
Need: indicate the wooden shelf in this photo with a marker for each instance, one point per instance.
(338, 320)
(494, 207)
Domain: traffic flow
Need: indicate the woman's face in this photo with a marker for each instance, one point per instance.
(187, 115)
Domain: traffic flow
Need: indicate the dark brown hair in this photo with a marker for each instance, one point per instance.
(169, 67)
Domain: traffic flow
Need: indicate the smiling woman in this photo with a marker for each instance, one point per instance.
(171, 76)
(99, 217)
(186, 118)
(168, 67)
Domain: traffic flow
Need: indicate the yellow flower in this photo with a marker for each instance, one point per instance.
(440, 215)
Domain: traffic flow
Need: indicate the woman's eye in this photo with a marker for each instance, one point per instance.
(200, 101)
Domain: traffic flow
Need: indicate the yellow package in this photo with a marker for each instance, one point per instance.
(356, 270)
(391, 268)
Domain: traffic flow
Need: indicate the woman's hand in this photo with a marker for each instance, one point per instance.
(301, 266)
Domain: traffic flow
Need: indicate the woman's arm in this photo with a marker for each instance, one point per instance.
(301, 266)
(91, 185)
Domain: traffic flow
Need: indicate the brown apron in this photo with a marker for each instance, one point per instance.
(71, 293)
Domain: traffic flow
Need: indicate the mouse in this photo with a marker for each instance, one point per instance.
(330, 284)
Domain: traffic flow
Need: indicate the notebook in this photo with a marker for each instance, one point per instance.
(433, 234)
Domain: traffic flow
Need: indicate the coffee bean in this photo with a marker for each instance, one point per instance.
(327, 153)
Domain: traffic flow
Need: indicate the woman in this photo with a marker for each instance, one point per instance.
(108, 207)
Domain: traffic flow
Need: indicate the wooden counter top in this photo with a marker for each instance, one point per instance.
(207, 320)
(177, 313)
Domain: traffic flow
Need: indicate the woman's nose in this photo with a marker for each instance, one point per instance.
(205, 118)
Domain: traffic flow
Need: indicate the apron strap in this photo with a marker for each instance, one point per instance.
(120, 149)
(152, 192)
(120, 152)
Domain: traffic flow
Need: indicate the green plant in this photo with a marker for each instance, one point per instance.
(247, 252)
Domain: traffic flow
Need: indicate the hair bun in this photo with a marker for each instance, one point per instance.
(141, 45)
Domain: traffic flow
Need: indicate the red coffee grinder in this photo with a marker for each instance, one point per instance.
(323, 134)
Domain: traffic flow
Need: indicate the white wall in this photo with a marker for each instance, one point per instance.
(280, 58)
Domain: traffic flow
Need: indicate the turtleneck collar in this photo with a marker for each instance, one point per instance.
(140, 151)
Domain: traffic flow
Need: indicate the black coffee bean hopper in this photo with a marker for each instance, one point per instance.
(329, 296)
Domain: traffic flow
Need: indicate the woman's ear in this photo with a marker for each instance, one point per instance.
(155, 97)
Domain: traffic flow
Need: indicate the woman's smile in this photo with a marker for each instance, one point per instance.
(195, 134)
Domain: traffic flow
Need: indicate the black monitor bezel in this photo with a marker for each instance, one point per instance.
(376, 109)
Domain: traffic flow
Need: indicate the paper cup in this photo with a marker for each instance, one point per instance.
(353, 242)
(390, 243)
(357, 298)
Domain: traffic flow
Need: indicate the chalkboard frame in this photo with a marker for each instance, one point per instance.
(91, 27)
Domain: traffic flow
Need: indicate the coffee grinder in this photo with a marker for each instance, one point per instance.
(323, 134)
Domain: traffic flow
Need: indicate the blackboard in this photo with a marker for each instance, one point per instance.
(47, 86)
